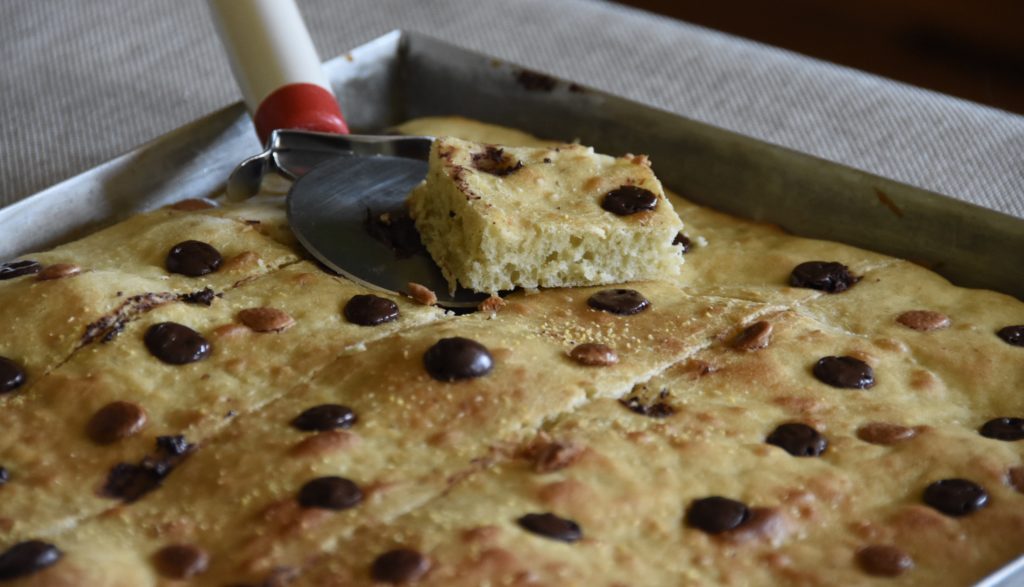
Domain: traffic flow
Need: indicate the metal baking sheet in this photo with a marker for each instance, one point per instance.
(403, 75)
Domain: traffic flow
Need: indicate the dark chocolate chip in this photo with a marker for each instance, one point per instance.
(658, 409)
(401, 565)
(624, 302)
(799, 440)
(129, 482)
(884, 561)
(193, 258)
(27, 558)
(181, 561)
(176, 344)
(370, 310)
(844, 372)
(12, 376)
(715, 514)
(683, 241)
(331, 493)
(115, 421)
(5, 476)
(629, 199)
(956, 497)
(1008, 429)
(14, 269)
(173, 445)
(551, 526)
(455, 358)
(1012, 335)
(325, 417)
(823, 276)
(495, 161)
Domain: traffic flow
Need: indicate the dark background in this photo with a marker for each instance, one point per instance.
(972, 49)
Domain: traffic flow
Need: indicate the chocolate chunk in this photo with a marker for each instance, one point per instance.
(551, 526)
(844, 372)
(180, 561)
(629, 199)
(173, 445)
(13, 269)
(325, 417)
(12, 376)
(799, 440)
(495, 161)
(658, 409)
(27, 558)
(129, 482)
(593, 354)
(5, 475)
(884, 433)
(624, 302)
(1012, 335)
(370, 310)
(956, 497)
(330, 493)
(396, 230)
(884, 561)
(923, 320)
(716, 514)
(823, 276)
(401, 565)
(266, 319)
(58, 271)
(1008, 429)
(754, 337)
(203, 297)
(683, 241)
(455, 358)
(115, 421)
(193, 259)
(176, 344)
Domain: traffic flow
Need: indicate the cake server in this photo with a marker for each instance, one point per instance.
(346, 202)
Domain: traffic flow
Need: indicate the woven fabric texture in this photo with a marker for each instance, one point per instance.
(87, 80)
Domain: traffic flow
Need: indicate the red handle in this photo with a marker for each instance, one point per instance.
(302, 106)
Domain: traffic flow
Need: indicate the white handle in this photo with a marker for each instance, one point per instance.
(268, 46)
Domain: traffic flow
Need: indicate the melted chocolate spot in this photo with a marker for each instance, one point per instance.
(628, 200)
(325, 417)
(683, 241)
(658, 409)
(456, 358)
(176, 344)
(12, 376)
(203, 297)
(331, 493)
(27, 558)
(401, 565)
(173, 445)
(396, 230)
(495, 161)
(115, 421)
(1012, 335)
(129, 482)
(193, 259)
(551, 526)
(624, 302)
(844, 372)
(5, 476)
(13, 269)
(181, 561)
(884, 561)
(956, 497)
(715, 514)
(823, 276)
(1008, 429)
(370, 310)
(799, 440)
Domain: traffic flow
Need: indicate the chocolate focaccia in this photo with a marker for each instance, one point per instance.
(787, 411)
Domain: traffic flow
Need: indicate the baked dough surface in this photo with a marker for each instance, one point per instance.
(448, 468)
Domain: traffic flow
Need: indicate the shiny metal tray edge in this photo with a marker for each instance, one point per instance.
(404, 74)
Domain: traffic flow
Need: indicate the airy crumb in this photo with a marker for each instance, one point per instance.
(422, 294)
